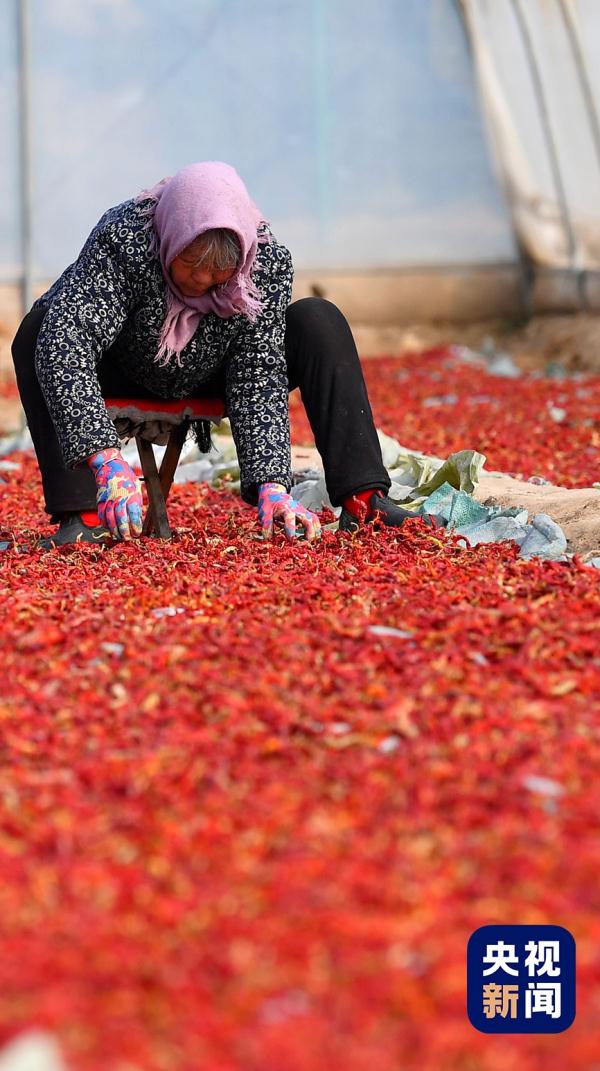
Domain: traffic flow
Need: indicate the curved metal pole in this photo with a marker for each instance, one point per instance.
(551, 146)
(584, 77)
(524, 261)
(25, 152)
(582, 70)
(321, 116)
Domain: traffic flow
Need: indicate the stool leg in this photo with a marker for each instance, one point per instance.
(168, 465)
(171, 456)
(156, 517)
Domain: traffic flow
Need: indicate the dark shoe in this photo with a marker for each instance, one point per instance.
(382, 509)
(73, 530)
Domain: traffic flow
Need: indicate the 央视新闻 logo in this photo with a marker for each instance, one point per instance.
(521, 979)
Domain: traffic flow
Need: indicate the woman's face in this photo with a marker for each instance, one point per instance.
(193, 281)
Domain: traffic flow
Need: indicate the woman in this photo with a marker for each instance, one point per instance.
(184, 289)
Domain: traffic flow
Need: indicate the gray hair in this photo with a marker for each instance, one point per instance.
(218, 249)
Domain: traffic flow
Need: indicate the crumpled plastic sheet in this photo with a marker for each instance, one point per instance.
(404, 465)
(540, 538)
(545, 539)
(455, 507)
(312, 493)
(461, 471)
(497, 362)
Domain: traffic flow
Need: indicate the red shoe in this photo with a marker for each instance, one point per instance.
(381, 508)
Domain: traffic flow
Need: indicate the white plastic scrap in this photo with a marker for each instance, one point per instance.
(439, 399)
(479, 658)
(503, 365)
(194, 471)
(20, 441)
(467, 356)
(545, 539)
(35, 1050)
(543, 786)
(340, 727)
(113, 648)
(387, 630)
(497, 362)
(388, 745)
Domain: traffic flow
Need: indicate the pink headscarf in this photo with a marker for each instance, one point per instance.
(197, 199)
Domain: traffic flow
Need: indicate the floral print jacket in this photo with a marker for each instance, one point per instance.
(114, 296)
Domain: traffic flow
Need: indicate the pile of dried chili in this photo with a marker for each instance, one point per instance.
(254, 798)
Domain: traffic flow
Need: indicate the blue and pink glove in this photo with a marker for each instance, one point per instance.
(276, 505)
(119, 494)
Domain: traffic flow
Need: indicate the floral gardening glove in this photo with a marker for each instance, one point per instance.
(275, 504)
(119, 494)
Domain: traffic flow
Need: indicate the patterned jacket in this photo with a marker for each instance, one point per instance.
(114, 295)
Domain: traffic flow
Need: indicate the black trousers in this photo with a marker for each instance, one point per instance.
(321, 360)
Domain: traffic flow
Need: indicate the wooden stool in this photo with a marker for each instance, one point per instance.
(181, 414)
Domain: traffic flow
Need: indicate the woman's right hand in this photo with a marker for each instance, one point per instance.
(275, 505)
(119, 494)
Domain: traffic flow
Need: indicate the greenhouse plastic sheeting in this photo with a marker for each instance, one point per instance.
(537, 63)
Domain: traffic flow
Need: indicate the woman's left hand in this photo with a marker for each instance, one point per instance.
(275, 504)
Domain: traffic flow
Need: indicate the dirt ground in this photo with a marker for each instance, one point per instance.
(572, 341)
